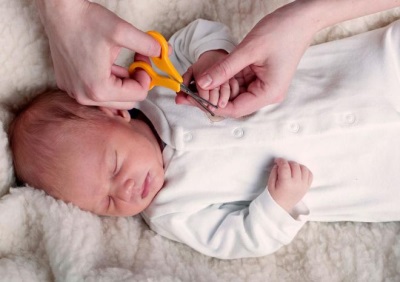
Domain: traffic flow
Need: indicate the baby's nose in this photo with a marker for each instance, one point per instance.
(125, 191)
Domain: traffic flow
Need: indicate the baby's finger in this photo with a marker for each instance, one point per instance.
(295, 168)
(205, 94)
(273, 177)
(284, 171)
(305, 172)
(214, 96)
(224, 95)
(234, 85)
(310, 178)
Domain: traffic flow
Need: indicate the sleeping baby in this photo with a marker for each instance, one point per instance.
(233, 188)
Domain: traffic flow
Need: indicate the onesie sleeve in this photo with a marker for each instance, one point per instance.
(232, 230)
(198, 37)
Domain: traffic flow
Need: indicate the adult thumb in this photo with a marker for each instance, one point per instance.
(223, 70)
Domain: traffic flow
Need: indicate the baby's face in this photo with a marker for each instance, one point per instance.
(116, 171)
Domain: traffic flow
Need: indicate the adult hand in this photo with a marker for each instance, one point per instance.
(274, 47)
(217, 96)
(272, 51)
(85, 39)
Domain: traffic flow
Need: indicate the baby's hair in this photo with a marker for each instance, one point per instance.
(38, 130)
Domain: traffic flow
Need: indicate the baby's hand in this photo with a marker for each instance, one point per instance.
(217, 96)
(288, 183)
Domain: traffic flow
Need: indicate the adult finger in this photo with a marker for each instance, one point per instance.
(124, 87)
(119, 71)
(141, 57)
(128, 36)
(116, 89)
(109, 104)
(139, 74)
(224, 70)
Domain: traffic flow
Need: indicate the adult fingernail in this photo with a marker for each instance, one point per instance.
(205, 81)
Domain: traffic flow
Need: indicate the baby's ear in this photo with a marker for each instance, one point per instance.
(115, 113)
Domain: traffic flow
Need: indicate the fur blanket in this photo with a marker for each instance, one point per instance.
(42, 239)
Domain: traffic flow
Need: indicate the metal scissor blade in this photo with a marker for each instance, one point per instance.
(198, 99)
(185, 89)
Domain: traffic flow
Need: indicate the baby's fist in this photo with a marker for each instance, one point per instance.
(288, 183)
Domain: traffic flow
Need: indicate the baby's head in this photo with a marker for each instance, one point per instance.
(96, 158)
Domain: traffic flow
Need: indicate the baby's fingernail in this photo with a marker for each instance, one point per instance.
(204, 81)
(222, 104)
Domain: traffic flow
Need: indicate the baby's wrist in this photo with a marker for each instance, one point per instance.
(286, 206)
(282, 201)
(212, 52)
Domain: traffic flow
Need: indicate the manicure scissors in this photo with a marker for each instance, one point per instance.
(174, 80)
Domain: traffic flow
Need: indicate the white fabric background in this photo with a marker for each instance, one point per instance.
(45, 240)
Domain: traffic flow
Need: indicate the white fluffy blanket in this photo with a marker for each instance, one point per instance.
(42, 239)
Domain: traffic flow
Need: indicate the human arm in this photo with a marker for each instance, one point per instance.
(276, 44)
(240, 229)
(85, 39)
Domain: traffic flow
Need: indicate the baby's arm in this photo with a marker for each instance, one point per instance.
(232, 230)
(244, 229)
(288, 183)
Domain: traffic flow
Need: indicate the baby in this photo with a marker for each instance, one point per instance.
(219, 186)
(103, 160)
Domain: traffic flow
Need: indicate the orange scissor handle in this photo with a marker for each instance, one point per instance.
(163, 62)
(156, 79)
(174, 79)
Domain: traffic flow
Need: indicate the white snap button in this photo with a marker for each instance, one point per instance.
(294, 127)
(350, 118)
(187, 137)
(238, 132)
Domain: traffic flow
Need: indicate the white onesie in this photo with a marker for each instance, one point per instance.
(340, 118)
